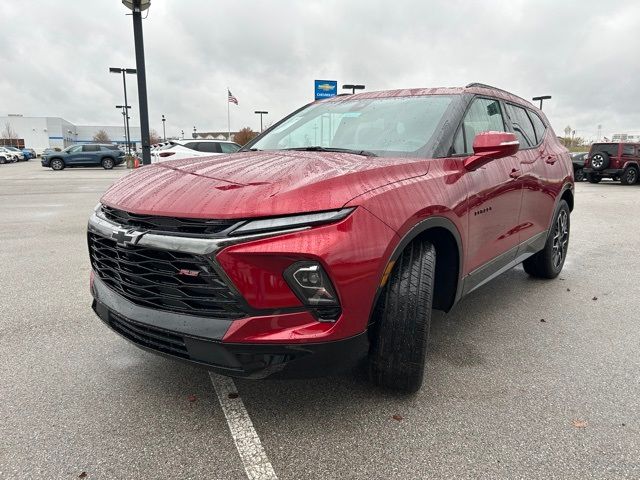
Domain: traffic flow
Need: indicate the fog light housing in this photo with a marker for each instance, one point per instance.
(312, 286)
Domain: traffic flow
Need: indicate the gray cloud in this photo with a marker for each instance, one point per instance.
(269, 53)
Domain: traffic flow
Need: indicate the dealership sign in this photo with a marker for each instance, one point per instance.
(326, 89)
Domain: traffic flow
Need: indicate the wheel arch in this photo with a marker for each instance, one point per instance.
(567, 196)
(445, 237)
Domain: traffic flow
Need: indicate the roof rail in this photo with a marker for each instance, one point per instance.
(484, 85)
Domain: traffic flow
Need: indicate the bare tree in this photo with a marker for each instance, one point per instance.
(101, 137)
(8, 133)
(154, 137)
(244, 135)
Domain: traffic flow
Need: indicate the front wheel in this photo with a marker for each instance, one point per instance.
(402, 320)
(548, 262)
(57, 164)
(629, 176)
(578, 175)
(107, 163)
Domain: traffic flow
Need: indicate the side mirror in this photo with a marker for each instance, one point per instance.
(489, 146)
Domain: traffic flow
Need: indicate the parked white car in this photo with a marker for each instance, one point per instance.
(179, 149)
(16, 152)
(7, 156)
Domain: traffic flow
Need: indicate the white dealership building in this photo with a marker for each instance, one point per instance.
(55, 132)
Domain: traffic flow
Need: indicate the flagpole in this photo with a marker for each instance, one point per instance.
(228, 117)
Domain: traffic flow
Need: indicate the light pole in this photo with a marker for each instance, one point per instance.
(543, 97)
(194, 133)
(261, 113)
(125, 71)
(353, 88)
(125, 117)
(137, 7)
(164, 132)
(182, 133)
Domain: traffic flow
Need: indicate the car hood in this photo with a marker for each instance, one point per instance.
(256, 184)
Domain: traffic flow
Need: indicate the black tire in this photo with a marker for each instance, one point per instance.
(599, 161)
(548, 262)
(3, 160)
(402, 320)
(578, 175)
(56, 164)
(107, 163)
(593, 178)
(629, 176)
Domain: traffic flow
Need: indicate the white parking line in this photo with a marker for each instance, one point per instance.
(255, 461)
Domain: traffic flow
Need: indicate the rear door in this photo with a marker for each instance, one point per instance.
(91, 154)
(495, 195)
(540, 168)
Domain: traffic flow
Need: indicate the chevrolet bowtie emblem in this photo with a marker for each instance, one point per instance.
(126, 238)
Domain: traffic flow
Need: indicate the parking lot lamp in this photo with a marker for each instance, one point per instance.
(125, 117)
(164, 132)
(137, 7)
(543, 97)
(353, 88)
(124, 72)
(261, 113)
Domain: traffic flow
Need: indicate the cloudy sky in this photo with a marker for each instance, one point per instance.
(55, 54)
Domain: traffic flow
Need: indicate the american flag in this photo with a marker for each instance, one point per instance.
(232, 99)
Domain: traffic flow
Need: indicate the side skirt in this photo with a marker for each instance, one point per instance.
(503, 262)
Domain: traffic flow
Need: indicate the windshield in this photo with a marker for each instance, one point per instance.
(387, 127)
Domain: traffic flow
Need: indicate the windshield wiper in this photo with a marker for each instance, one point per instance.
(317, 148)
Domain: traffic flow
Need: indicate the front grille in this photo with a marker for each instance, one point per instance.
(163, 280)
(156, 223)
(149, 337)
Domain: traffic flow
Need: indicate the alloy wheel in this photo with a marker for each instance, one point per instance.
(560, 238)
(597, 161)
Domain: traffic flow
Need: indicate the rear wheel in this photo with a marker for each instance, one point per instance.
(578, 175)
(593, 178)
(629, 176)
(548, 262)
(107, 163)
(402, 320)
(57, 164)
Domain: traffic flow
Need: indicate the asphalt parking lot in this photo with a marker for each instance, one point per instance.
(525, 378)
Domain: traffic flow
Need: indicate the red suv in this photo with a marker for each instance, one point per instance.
(619, 161)
(332, 235)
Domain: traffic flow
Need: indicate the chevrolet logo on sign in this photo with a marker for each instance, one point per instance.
(326, 87)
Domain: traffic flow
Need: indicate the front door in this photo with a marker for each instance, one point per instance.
(495, 197)
(74, 155)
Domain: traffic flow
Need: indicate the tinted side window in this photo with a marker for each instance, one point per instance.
(191, 145)
(538, 125)
(627, 150)
(522, 126)
(484, 115)
(229, 147)
(610, 148)
(209, 147)
(76, 149)
(109, 148)
(90, 148)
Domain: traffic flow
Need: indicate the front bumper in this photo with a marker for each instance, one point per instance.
(197, 340)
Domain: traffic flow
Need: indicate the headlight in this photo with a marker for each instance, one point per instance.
(293, 221)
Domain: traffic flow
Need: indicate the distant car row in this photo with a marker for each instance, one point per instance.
(10, 154)
(109, 156)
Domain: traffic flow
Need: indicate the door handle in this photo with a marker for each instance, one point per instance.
(515, 173)
(551, 159)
